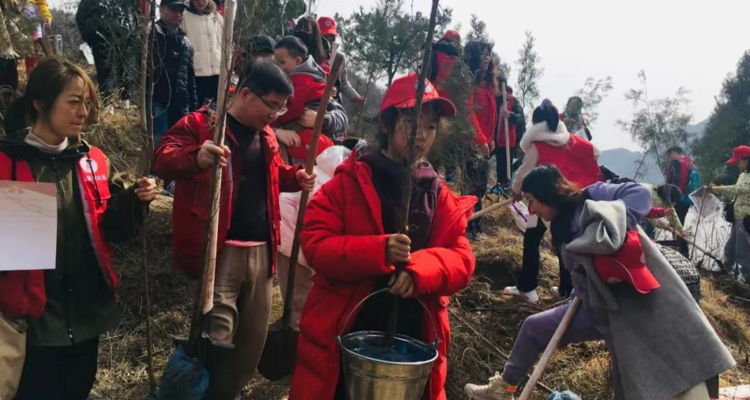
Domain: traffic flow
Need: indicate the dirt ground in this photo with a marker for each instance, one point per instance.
(478, 315)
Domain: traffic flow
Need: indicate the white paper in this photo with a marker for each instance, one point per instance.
(28, 226)
(706, 204)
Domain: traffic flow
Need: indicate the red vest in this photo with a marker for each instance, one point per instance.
(575, 160)
(22, 293)
(685, 165)
(500, 139)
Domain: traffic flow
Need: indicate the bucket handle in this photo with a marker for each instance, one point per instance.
(432, 320)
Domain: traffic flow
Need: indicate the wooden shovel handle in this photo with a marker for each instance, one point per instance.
(567, 320)
(309, 165)
(490, 209)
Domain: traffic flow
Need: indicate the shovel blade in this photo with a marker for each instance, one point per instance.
(279, 354)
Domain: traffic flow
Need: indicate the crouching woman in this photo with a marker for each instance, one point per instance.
(69, 305)
(351, 240)
(661, 344)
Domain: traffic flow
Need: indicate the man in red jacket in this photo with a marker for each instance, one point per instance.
(248, 216)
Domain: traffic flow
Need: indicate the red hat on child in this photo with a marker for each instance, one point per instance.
(327, 26)
(403, 94)
(627, 264)
(738, 153)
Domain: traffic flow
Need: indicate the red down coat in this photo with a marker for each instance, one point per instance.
(344, 243)
(485, 113)
(176, 159)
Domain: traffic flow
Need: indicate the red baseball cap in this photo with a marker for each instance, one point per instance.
(451, 33)
(738, 153)
(327, 26)
(627, 264)
(403, 94)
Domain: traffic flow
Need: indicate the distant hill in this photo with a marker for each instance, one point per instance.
(625, 162)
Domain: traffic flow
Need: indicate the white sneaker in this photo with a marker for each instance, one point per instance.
(532, 296)
(496, 389)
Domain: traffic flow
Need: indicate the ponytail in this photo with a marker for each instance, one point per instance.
(548, 113)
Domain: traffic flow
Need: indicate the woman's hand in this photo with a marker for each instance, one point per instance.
(670, 212)
(517, 196)
(307, 182)
(146, 190)
(397, 249)
(403, 286)
(484, 150)
(288, 137)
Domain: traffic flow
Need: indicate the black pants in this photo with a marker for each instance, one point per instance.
(502, 168)
(681, 209)
(59, 373)
(207, 88)
(477, 172)
(9, 73)
(528, 280)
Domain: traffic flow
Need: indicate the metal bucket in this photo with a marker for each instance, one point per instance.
(369, 378)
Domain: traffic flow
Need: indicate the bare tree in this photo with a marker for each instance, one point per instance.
(527, 91)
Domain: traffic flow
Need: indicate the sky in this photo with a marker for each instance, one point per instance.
(688, 44)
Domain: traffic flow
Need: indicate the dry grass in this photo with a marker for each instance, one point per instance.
(581, 368)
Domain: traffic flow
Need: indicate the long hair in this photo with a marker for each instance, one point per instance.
(473, 59)
(45, 84)
(546, 112)
(550, 187)
(308, 30)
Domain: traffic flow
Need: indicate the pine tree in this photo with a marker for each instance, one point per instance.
(527, 90)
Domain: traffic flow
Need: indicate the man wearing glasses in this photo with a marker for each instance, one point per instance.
(248, 217)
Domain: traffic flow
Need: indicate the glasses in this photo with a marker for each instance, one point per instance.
(279, 111)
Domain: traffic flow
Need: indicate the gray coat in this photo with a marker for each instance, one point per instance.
(662, 342)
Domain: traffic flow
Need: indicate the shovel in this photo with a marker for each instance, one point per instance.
(280, 352)
(185, 376)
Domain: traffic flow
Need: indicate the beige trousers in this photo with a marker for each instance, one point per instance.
(242, 307)
(699, 392)
(302, 285)
(12, 354)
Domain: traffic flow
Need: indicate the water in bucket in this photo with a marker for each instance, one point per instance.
(373, 371)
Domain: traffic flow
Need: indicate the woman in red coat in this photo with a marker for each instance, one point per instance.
(351, 240)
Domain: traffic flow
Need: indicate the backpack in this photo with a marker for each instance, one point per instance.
(694, 183)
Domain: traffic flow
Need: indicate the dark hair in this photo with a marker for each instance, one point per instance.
(473, 59)
(508, 89)
(308, 30)
(45, 84)
(293, 45)
(546, 112)
(748, 164)
(389, 117)
(676, 150)
(547, 184)
(669, 194)
(263, 76)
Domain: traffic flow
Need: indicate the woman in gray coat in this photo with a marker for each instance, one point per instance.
(661, 344)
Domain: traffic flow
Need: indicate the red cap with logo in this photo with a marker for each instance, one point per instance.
(627, 264)
(327, 26)
(738, 153)
(403, 94)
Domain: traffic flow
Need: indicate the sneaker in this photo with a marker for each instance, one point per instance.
(168, 189)
(496, 389)
(532, 296)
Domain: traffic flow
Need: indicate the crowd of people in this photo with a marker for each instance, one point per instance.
(662, 346)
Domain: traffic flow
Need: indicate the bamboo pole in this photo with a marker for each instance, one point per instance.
(406, 178)
(204, 299)
(507, 134)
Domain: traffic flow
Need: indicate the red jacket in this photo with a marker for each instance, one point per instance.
(309, 81)
(500, 140)
(176, 159)
(22, 293)
(344, 243)
(575, 160)
(485, 113)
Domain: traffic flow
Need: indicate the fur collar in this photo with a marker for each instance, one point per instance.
(541, 133)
